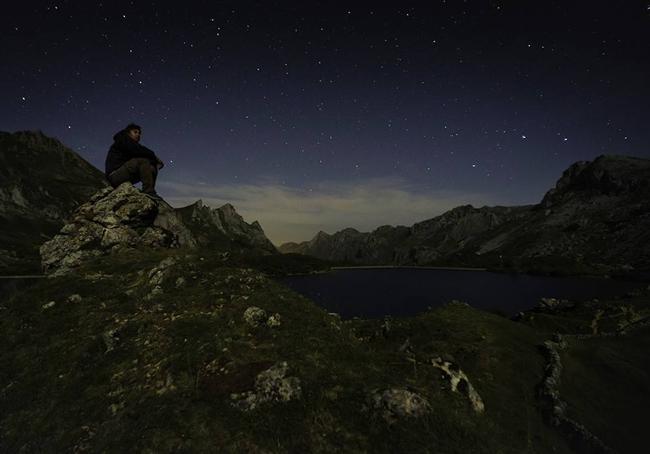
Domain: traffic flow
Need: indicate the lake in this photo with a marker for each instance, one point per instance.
(375, 293)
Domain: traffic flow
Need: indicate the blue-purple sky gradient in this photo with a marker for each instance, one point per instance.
(324, 115)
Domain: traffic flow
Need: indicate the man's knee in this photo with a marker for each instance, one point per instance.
(137, 163)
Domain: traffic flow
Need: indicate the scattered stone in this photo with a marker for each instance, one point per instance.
(110, 338)
(386, 326)
(518, 316)
(548, 303)
(76, 298)
(406, 347)
(458, 303)
(460, 382)
(273, 321)
(549, 391)
(180, 282)
(271, 385)
(255, 316)
(47, 306)
(394, 404)
(163, 387)
(156, 291)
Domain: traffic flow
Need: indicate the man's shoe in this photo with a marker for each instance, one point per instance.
(153, 195)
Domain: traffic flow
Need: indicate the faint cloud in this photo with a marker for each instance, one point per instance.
(295, 214)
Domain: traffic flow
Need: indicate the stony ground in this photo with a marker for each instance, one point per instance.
(202, 352)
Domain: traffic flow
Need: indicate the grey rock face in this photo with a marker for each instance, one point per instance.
(110, 221)
(271, 385)
(206, 223)
(395, 404)
(459, 382)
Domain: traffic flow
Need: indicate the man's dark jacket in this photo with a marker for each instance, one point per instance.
(125, 148)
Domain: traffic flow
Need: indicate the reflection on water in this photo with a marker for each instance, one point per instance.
(374, 293)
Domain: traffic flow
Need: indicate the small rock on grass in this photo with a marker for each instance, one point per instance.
(395, 404)
(273, 321)
(271, 385)
(254, 316)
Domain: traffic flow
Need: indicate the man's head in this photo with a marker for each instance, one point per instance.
(134, 131)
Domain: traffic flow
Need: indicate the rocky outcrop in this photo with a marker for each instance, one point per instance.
(271, 385)
(397, 403)
(459, 382)
(550, 394)
(113, 220)
(110, 221)
(595, 221)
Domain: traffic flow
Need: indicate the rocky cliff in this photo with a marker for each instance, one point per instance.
(595, 220)
(209, 224)
(41, 182)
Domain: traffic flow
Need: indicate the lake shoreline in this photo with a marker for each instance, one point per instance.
(410, 267)
(376, 291)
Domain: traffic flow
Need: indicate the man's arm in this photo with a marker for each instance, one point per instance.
(135, 149)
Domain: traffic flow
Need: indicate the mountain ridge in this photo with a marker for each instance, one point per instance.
(592, 204)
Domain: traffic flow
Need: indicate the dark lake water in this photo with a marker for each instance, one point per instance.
(374, 293)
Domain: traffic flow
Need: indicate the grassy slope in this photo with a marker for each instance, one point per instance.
(606, 382)
(605, 379)
(176, 359)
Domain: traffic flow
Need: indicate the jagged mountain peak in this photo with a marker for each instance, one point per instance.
(606, 175)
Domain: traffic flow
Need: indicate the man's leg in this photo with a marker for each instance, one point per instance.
(134, 170)
(125, 172)
(147, 173)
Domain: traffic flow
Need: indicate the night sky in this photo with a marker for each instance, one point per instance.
(322, 115)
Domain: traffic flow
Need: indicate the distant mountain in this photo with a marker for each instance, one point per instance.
(595, 220)
(47, 191)
(41, 182)
(209, 225)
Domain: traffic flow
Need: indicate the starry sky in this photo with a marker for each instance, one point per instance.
(321, 115)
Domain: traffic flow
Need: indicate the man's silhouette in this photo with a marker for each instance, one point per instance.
(127, 160)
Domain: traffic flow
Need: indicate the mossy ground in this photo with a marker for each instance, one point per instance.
(121, 372)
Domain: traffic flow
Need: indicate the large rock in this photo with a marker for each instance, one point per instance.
(110, 221)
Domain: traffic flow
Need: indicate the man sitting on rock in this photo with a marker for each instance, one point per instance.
(127, 160)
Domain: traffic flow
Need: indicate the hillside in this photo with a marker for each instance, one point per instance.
(170, 350)
(41, 182)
